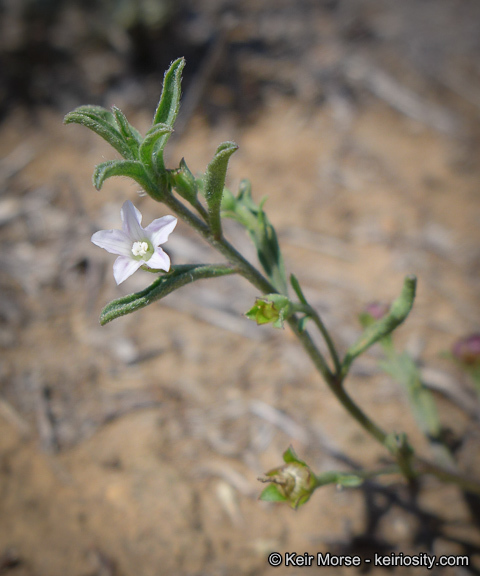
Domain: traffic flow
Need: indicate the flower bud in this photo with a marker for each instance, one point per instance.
(467, 350)
(377, 310)
(373, 312)
(184, 182)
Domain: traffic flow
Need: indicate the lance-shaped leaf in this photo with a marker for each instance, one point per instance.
(269, 253)
(103, 123)
(169, 103)
(422, 402)
(298, 290)
(131, 135)
(252, 216)
(185, 182)
(404, 370)
(151, 149)
(214, 183)
(381, 328)
(129, 168)
(164, 285)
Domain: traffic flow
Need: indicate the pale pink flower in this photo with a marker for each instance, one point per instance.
(136, 246)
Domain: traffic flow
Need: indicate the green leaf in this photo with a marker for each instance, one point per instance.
(269, 253)
(214, 183)
(103, 123)
(228, 204)
(302, 323)
(129, 168)
(399, 447)
(404, 370)
(272, 494)
(381, 328)
(151, 149)
(244, 210)
(185, 183)
(131, 135)
(164, 285)
(169, 103)
(298, 290)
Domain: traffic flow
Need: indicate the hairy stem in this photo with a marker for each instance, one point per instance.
(260, 282)
(333, 381)
(313, 314)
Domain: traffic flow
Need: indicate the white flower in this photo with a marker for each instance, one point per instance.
(136, 246)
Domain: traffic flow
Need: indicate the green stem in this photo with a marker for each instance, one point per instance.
(201, 210)
(367, 474)
(333, 477)
(425, 467)
(334, 382)
(223, 246)
(313, 314)
(260, 282)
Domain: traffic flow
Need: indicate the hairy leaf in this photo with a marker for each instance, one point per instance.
(131, 135)
(129, 168)
(214, 183)
(383, 327)
(164, 285)
(151, 149)
(169, 103)
(103, 123)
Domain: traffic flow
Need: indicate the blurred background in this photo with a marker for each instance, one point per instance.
(135, 448)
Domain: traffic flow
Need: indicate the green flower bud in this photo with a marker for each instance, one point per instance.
(184, 182)
(273, 309)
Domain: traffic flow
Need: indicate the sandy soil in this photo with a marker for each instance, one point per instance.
(134, 448)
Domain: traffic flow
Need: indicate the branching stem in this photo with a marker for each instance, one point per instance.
(333, 380)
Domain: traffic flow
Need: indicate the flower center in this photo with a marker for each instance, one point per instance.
(141, 249)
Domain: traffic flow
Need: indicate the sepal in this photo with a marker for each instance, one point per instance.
(273, 309)
(294, 482)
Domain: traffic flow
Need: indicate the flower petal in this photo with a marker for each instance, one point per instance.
(160, 229)
(159, 260)
(113, 241)
(132, 218)
(124, 267)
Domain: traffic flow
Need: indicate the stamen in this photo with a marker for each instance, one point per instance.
(140, 248)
